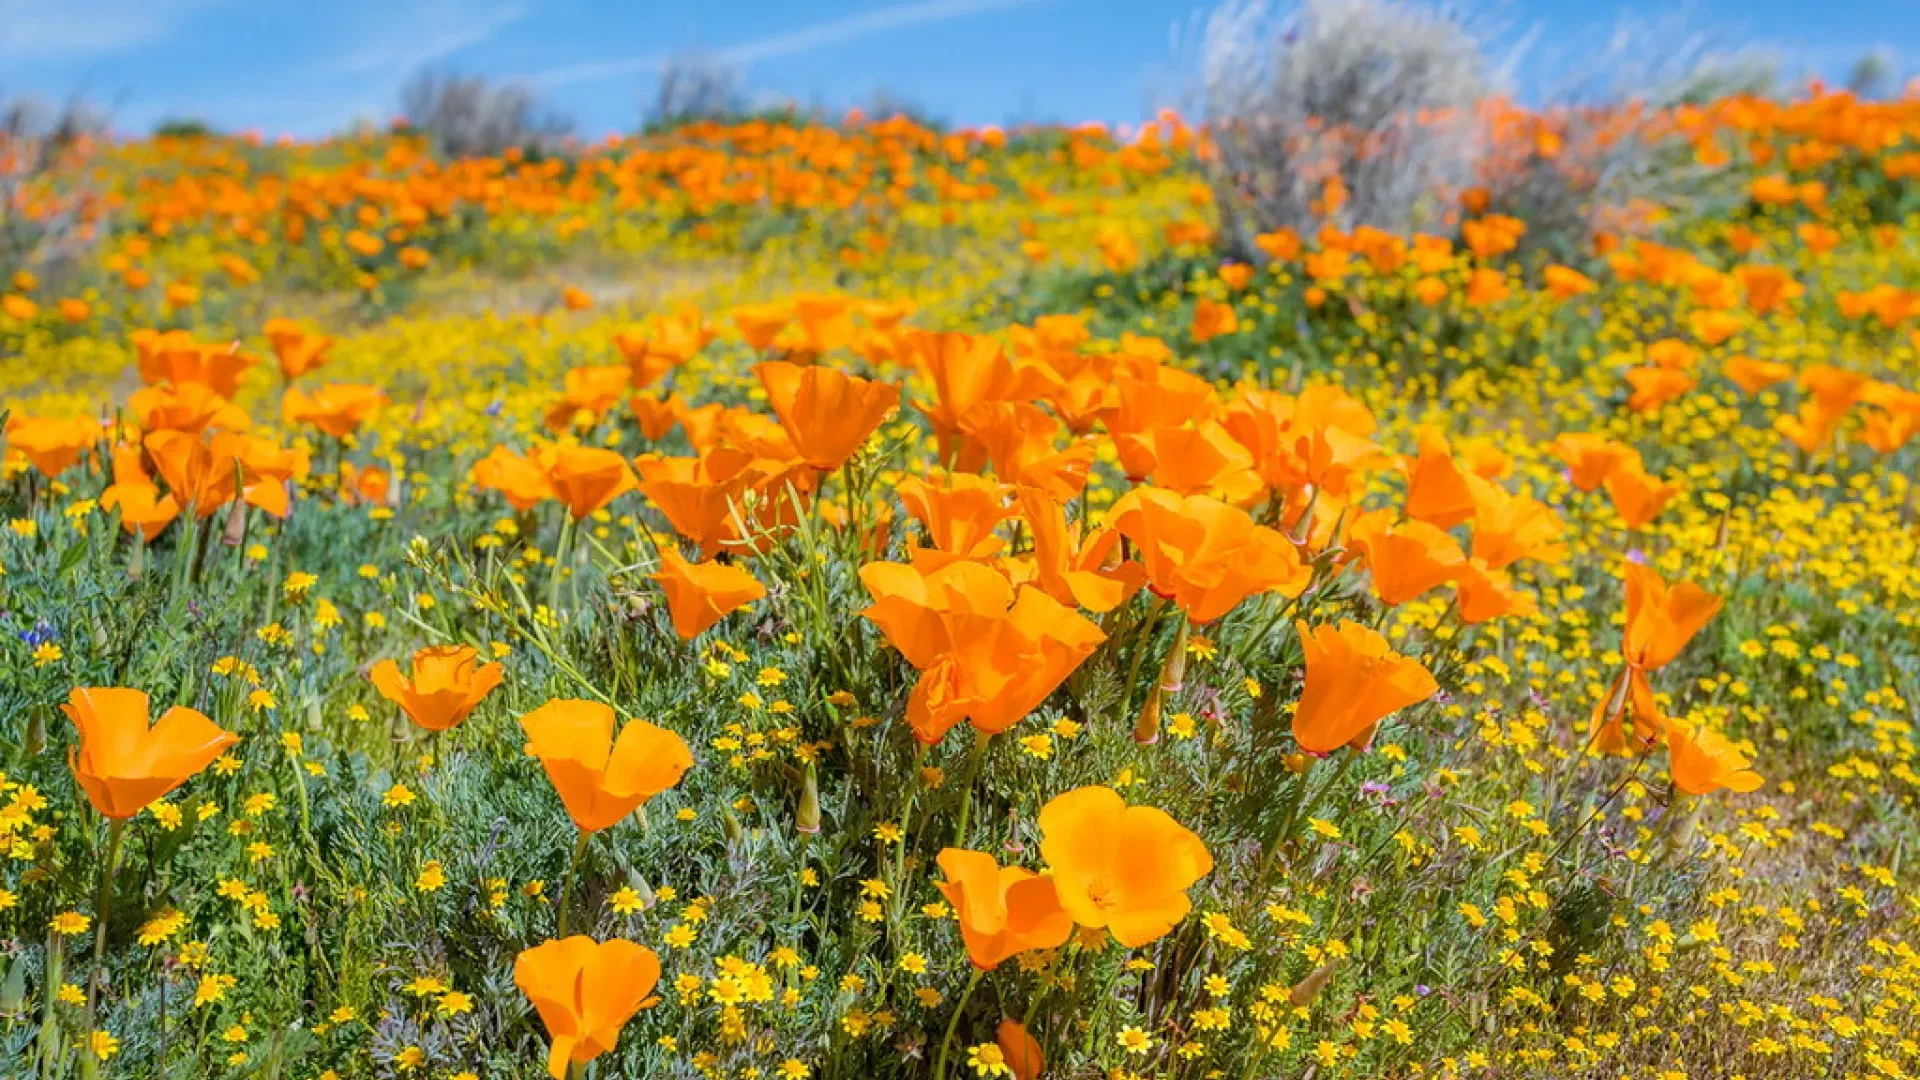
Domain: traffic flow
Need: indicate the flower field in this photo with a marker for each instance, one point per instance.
(770, 600)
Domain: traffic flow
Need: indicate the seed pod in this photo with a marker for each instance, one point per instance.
(1309, 988)
(1146, 727)
(236, 531)
(807, 817)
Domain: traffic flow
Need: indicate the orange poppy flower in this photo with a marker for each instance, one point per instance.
(175, 357)
(702, 497)
(701, 594)
(959, 514)
(122, 764)
(760, 324)
(828, 414)
(1149, 394)
(585, 991)
(965, 370)
(987, 652)
(1205, 555)
(1662, 617)
(574, 298)
(824, 321)
(1020, 1050)
(337, 409)
(1407, 559)
(1280, 245)
(1068, 567)
(587, 478)
(1813, 424)
(191, 408)
(602, 779)
(1638, 497)
(1125, 868)
(1713, 327)
(1766, 288)
(1354, 680)
(1487, 286)
(143, 509)
(1565, 283)
(52, 445)
(1703, 762)
(1002, 910)
(1318, 438)
(1628, 720)
(1082, 386)
(1590, 458)
(1508, 528)
(1212, 319)
(1482, 593)
(198, 478)
(521, 480)
(1753, 376)
(656, 415)
(586, 396)
(1887, 432)
(651, 356)
(1191, 460)
(444, 688)
(1656, 387)
(297, 351)
(266, 471)
(1437, 490)
(1018, 440)
(674, 339)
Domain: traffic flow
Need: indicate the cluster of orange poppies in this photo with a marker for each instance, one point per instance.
(185, 426)
(1661, 618)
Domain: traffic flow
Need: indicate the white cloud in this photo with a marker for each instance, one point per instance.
(791, 43)
(413, 36)
(53, 30)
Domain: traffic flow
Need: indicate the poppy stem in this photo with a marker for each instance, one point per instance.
(559, 564)
(566, 887)
(1140, 645)
(1303, 807)
(116, 829)
(966, 795)
(953, 1023)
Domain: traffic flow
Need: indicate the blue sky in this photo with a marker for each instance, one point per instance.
(307, 68)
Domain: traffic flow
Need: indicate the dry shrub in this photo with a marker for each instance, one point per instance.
(695, 86)
(467, 116)
(1601, 156)
(47, 211)
(1386, 112)
(1358, 112)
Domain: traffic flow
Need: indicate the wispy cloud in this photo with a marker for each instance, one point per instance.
(56, 30)
(411, 36)
(791, 43)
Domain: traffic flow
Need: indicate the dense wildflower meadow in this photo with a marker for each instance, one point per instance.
(775, 599)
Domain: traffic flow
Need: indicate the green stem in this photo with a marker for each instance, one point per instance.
(566, 887)
(103, 901)
(953, 1023)
(49, 1018)
(1303, 808)
(966, 796)
(559, 564)
(1140, 646)
(906, 817)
